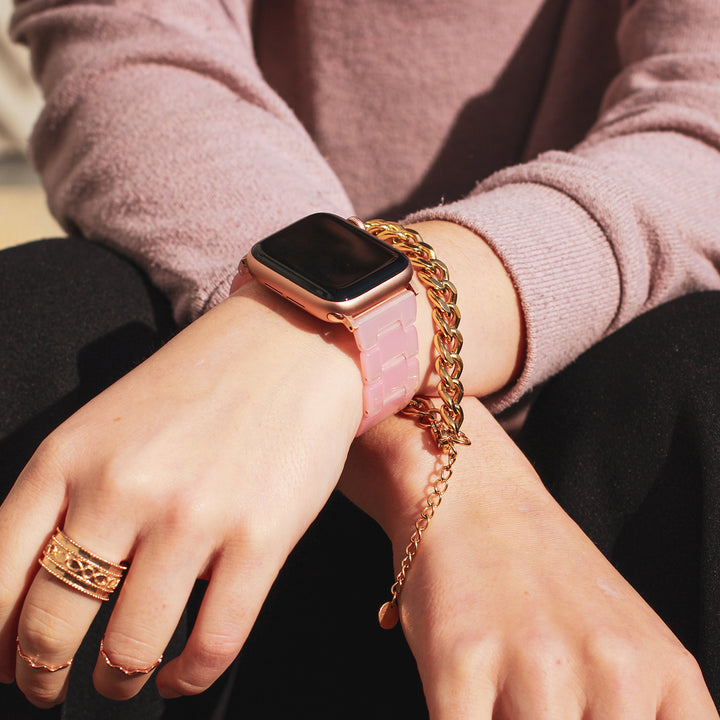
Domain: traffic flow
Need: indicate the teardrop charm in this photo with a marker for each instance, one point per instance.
(388, 615)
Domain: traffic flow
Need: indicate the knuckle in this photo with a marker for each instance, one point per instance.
(43, 633)
(119, 692)
(133, 483)
(48, 462)
(543, 657)
(214, 652)
(111, 483)
(53, 448)
(541, 646)
(115, 689)
(191, 685)
(258, 542)
(107, 489)
(543, 653)
(187, 511)
(182, 509)
(122, 478)
(472, 658)
(128, 651)
(618, 660)
(186, 518)
(208, 658)
(43, 696)
(127, 654)
(686, 671)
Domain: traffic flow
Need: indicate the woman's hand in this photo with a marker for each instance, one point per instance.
(210, 459)
(511, 612)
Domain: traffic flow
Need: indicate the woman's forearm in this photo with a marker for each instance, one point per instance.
(492, 323)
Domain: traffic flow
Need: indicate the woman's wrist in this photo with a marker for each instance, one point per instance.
(492, 323)
(391, 468)
(388, 474)
(492, 328)
(494, 313)
(318, 350)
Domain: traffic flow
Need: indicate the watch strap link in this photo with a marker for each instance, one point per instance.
(388, 344)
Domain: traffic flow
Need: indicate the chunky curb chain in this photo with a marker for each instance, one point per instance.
(444, 422)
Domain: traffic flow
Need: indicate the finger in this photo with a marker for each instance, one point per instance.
(55, 617)
(620, 706)
(460, 674)
(687, 705)
(29, 514)
(53, 622)
(153, 597)
(235, 594)
(688, 697)
(453, 701)
(541, 685)
(622, 685)
(541, 703)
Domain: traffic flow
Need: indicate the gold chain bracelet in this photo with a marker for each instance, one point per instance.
(444, 423)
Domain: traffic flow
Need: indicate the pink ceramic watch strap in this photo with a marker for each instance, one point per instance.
(388, 343)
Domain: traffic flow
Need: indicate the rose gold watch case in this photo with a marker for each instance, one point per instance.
(327, 310)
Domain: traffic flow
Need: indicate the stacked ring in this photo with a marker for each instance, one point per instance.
(36, 664)
(122, 668)
(79, 568)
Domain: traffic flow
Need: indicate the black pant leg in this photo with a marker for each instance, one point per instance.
(628, 441)
(74, 317)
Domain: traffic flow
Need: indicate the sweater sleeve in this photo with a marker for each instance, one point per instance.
(630, 217)
(160, 137)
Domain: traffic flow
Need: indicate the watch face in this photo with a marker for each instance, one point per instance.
(330, 258)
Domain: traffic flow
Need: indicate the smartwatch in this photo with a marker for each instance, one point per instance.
(338, 272)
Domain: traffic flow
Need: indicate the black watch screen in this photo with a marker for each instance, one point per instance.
(330, 257)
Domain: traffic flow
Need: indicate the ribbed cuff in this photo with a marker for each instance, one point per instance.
(561, 264)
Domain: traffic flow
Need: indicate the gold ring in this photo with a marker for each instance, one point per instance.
(79, 568)
(36, 664)
(121, 668)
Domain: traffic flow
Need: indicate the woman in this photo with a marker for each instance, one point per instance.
(164, 134)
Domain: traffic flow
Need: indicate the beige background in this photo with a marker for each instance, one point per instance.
(23, 211)
(24, 216)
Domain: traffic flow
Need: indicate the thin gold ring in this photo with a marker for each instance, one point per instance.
(36, 664)
(79, 568)
(122, 668)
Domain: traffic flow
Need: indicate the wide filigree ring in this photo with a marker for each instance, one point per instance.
(81, 569)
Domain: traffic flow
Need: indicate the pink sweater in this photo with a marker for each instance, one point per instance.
(580, 138)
